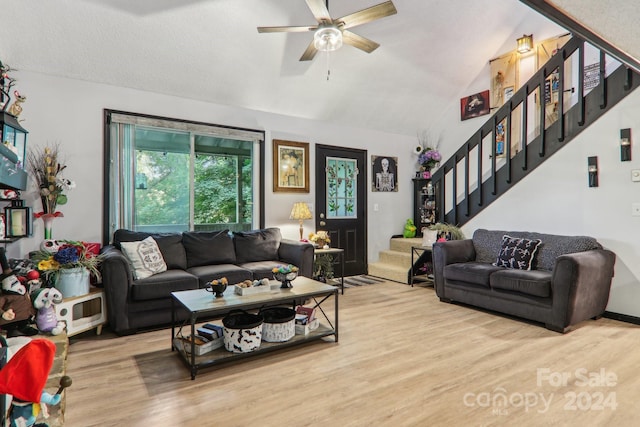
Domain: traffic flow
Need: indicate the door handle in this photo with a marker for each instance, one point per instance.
(322, 223)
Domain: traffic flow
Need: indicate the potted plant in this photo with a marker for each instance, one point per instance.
(453, 231)
(69, 268)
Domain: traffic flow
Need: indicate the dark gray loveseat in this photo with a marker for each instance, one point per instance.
(193, 259)
(569, 281)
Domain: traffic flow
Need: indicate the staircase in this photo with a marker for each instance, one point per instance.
(394, 263)
(469, 181)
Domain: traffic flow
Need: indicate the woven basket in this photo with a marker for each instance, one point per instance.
(279, 324)
(242, 331)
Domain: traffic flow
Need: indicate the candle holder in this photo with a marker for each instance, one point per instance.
(18, 219)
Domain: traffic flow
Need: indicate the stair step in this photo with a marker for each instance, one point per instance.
(404, 245)
(395, 258)
(392, 272)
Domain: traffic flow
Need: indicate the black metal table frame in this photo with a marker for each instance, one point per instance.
(190, 359)
(414, 253)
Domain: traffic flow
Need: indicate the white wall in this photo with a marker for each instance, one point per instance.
(70, 112)
(555, 198)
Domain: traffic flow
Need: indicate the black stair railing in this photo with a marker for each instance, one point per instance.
(492, 181)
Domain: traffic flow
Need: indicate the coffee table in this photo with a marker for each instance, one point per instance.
(201, 304)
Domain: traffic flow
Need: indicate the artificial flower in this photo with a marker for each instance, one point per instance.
(71, 254)
(47, 171)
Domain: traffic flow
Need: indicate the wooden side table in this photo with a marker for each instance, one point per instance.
(84, 312)
(333, 252)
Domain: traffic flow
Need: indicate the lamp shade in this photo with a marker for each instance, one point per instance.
(300, 211)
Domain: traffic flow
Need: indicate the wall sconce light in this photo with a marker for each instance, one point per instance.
(19, 220)
(593, 171)
(525, 43)
(625, 145)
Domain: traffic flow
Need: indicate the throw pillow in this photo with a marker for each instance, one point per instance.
(170, 245)
(517, 253)
(145, 257)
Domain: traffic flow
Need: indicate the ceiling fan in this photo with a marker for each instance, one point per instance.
(330, 33)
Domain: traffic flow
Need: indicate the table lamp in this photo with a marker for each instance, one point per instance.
(300, 211)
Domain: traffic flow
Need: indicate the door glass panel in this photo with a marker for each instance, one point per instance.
(342, 175)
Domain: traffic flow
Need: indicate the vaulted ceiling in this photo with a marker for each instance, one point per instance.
(430, 54)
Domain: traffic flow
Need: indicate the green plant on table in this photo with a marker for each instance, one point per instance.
(323, 267)
(443, 227)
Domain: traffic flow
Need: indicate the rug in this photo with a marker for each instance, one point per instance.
(361, 280)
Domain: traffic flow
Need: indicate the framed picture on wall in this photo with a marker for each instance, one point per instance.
(384, 171)
(474, 105)
(290, 166)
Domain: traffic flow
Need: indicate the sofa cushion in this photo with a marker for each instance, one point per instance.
(208, 248)
(233, 273)
(257, 245)
(261, 269)
(145, 258)
(476, 273)
(517, 253)
(170, 245)
(534, 282)
(487, 244)
(161, 285)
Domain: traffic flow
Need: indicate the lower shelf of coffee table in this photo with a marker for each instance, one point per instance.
(221, 355)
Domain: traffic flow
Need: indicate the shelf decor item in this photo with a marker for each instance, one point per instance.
(47, 170)
(19, 220)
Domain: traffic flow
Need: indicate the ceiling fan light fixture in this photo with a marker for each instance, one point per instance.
(327, 39)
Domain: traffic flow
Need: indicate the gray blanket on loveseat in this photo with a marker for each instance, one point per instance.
(557, 280)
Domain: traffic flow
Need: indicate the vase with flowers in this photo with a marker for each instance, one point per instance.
(428, 155)
(69, 268)
(47, 170)
(320, 239)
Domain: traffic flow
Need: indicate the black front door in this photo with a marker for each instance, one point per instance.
(341, 203)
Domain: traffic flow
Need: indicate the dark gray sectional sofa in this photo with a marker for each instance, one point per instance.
(193, 259)
(569, 280)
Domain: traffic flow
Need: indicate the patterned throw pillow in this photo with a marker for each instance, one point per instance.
(145, 257)
(517, 253)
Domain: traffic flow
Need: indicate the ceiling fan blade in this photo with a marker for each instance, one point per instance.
(367, 15)
(319, 10)
(360, 42)
(310, 53)
(286, 29)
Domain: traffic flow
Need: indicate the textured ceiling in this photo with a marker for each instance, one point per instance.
(616, 23)
(210, 50)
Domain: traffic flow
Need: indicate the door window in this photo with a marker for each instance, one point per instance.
(342, 175)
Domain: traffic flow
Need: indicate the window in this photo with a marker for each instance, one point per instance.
(165, 175)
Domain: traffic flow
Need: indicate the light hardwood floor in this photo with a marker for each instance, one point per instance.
(404, 359)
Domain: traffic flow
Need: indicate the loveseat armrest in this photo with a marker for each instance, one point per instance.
(297, 253)
(116, 279)
(580, 286)
(450, 252)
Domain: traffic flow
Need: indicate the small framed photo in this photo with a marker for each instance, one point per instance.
(385, 173)
(474, 105)
(290, 166)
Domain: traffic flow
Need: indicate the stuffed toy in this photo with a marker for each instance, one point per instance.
(16, 310)
(409, 229)
(24, 377)
(46, 319)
